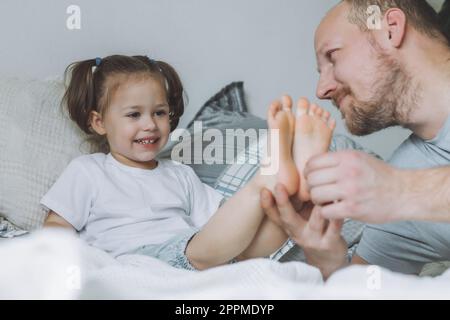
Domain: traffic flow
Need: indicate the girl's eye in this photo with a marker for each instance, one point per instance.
(134, 115)
(161, 113)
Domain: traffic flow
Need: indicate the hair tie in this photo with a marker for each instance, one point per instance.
(98, 61)
(149, 59)
(154, 62)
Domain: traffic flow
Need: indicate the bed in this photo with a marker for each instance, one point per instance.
(52, 264)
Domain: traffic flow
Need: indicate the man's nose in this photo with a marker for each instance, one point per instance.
(326, 87)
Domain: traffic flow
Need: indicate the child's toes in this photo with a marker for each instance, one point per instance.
(318, 111)
(332, 124)
(302, 107)
(326, 117)
(286, 102)
(312, 109)
(281, 116)
(274, 108)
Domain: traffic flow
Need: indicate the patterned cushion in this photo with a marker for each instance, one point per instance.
(8, 230)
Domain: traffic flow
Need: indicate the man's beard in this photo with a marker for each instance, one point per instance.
(390, 104)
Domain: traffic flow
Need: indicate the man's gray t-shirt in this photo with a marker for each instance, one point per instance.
(407, 246)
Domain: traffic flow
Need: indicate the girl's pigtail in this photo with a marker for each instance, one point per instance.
(80, 97)
(174, 92)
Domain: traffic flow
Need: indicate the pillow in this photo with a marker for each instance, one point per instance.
(230, 98)
(237, 175)
(225, 110)
(37, 141)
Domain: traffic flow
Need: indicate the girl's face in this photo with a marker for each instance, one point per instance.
(136, 122)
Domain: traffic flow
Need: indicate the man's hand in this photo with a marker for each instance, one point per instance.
(320, 239)
(355, 185)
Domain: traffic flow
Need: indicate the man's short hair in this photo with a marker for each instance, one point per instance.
(419, 13)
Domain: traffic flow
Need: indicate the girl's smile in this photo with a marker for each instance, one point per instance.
(149, 143)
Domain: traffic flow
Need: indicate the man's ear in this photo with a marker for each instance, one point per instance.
(395, 20)
(96, 122)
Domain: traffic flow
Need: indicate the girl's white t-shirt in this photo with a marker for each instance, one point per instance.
(119, 208)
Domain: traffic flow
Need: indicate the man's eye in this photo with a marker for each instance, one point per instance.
(134, 115)
(330, 54)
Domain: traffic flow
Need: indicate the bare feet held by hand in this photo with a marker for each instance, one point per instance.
(313, 132)
(281, 123)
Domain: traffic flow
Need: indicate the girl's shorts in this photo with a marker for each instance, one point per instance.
(173, 251)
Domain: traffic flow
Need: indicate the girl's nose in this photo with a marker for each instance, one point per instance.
(149, 124)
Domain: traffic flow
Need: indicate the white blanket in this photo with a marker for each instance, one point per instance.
(57, 265)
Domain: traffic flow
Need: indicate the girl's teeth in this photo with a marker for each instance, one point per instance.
(146, 141)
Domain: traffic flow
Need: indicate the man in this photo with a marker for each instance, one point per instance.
(395, 74)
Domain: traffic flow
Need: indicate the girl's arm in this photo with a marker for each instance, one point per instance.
(54, 220)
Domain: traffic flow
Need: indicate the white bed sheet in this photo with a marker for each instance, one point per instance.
(57, 265)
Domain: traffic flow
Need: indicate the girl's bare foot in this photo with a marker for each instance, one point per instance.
(281, 120)
(313, 132)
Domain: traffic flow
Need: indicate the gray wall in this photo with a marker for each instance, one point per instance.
(268, 44)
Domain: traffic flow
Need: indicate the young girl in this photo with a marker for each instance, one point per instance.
(130, 202)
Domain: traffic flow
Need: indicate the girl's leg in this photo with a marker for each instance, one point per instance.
(238, 225)
(234, 226)
(267, 241)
